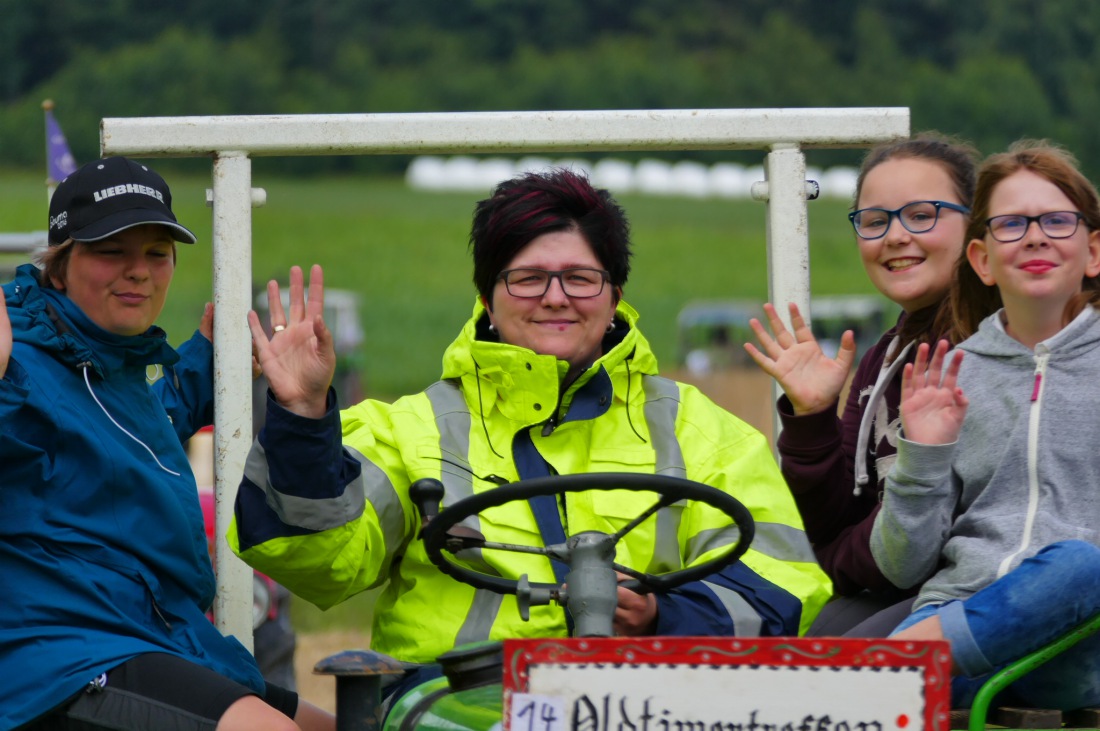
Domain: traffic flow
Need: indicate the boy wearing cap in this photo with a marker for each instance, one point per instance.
(102, 550)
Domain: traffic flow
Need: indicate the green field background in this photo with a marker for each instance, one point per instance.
(405, 253)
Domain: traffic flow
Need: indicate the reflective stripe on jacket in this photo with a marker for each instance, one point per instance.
(330, 522)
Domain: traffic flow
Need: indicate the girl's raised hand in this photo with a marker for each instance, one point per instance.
(812, 380)
(299, 359)
(932, 405)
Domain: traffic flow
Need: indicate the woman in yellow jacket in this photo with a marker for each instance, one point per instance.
(549, 376)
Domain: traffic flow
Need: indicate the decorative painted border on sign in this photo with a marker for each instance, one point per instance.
(931, 659)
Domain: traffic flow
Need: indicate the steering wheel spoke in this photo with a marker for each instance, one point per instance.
(552, 551)
(664, 502)
(639, 583)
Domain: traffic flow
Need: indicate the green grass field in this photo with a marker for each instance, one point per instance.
(405, 253)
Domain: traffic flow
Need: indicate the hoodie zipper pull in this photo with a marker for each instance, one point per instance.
(1040, 368)
(549, 427)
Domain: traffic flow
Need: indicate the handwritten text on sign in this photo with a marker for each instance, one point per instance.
(561, 692)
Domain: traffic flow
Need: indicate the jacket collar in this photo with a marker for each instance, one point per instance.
(526, 386)
(1079, 336)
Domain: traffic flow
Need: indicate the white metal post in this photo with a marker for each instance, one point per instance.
(232, 260)
(788, 238)
(787, 229)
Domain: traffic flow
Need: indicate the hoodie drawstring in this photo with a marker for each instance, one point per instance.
(85, 366)
(481, 410)
(629, 420)
(885, 375)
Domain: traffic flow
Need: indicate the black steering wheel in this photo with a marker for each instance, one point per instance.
(441, 530)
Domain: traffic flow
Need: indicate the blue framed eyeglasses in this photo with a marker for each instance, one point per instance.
(917, 217)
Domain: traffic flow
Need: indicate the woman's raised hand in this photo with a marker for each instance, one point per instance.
(5, 339)
(812, 380)
(299, 359)
(932, 405)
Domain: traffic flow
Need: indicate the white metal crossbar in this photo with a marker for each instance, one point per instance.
(233, 140)
(22, 243)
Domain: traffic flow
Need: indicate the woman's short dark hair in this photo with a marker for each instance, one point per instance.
(532, 204)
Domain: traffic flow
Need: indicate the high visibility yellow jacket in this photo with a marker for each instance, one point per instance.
(330, 517)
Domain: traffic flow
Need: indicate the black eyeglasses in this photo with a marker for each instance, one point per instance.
(1013, 227)
(917, 217)
(579, 282)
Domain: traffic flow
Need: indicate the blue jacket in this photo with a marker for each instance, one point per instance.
(102, 551)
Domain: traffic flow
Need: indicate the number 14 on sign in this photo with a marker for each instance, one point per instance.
(537, 713)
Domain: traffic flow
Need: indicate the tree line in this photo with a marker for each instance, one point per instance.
(989, 71)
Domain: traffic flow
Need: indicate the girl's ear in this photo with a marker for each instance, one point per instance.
(616, 295)
(485, 303)
(1092, 266)
(978, 256)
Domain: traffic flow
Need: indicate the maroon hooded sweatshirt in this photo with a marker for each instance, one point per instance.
(818, 455)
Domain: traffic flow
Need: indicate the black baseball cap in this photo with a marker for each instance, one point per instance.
(108, 196)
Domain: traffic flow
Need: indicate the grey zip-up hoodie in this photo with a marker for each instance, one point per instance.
(1023, 474)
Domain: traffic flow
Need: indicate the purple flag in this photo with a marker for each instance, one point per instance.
(59, 160)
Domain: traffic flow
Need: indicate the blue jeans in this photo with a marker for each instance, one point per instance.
(1043, 598)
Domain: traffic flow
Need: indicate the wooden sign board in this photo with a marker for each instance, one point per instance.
(726, 684)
